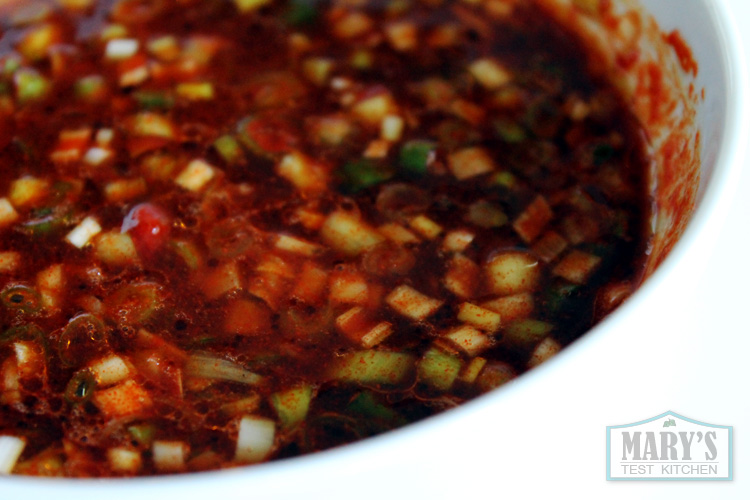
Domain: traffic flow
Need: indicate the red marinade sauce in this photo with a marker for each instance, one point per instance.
(306, 221)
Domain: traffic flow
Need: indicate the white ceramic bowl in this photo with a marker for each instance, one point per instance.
(543, 434)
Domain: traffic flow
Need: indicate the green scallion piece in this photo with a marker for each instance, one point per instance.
(81, 387)
(149, 99)
(415, 156)
(21, 298)
(362, 174)
(301, 13)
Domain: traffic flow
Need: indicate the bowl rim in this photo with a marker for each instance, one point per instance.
(711, 210)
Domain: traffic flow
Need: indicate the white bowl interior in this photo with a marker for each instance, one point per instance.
(503, 436)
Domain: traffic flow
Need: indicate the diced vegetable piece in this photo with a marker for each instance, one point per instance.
(292, 405)
(545, 350)
(133, 71)
(397, 233)
(96, 156)
(124, 189)
(267, 135)
(211, 367)
(376, 149)
(468, 339)
(303, 172)
(533, 219)
(255, 439)
(352, 24)
(83, 232)
(142, 433)
(462, 276)
(30, 85)
(9, 262)
(317, 69)
(391, 128)
(221, 280)
(229, 149)
(479, 317)
(189, 253)
(348, 287)
(472, 370)
(411, 303)
(549, 246)
(119, 49)
(195, 91)
(402, 36)
(468, 111)
(358, 175)
(247, 317)
(298, 246)
(457, 240)
(10, 381)
(509, 273)
(91, 88)
(372, 109)
(242, 406)
(470, 162)
(485, 214)
(245, 6)
(348, 234)
(28, 191)
(376, 334)
(330, 130)
(270, 287)
(47, 463)
(124, 460)
(29, 359)
(36, 42)
(70, 145)
(153, 100)
(311, 284)
(116, 249)
(490, 73)
(512, 307)
(110, 370)
(577, 266)
(494, 375)
(526, 332)
(196, 175)
(415, 156)
(169, 456)
(352, 323)
(165, 48)
(438, 369)
(426, 227)
(127, 399)
(149, 124)
(11, 448)
(8, 214)
(373, 367)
